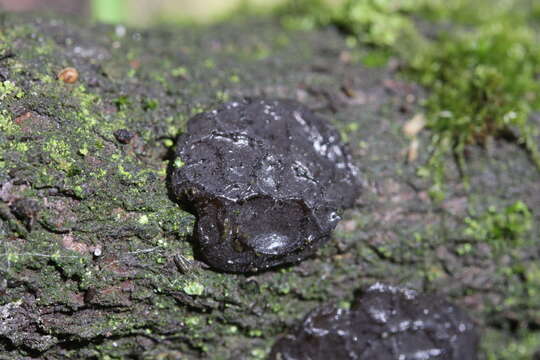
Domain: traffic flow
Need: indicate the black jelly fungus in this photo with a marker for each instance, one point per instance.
(266, 180)
(123, 136)
(384, 323)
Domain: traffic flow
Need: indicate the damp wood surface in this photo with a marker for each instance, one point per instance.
(96, 259)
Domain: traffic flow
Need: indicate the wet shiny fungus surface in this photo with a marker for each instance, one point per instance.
(385, 323)
(266, 180)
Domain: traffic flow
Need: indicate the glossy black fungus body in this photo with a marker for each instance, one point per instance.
(266, 180)
(385, 323)
(123, 136)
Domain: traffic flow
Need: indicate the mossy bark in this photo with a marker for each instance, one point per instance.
(96, 260)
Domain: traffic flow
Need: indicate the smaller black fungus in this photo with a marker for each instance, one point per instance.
(123, 136)
(266, 180)
(385, 322)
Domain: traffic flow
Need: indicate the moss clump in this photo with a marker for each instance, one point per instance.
(482, 85)
(502, 229)
(517, 350)
(482, 78)
(8, 88)
(9, 93)
(305, 14)
(376, 22)
(193, 288)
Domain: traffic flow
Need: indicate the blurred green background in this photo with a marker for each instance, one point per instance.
(145, 12)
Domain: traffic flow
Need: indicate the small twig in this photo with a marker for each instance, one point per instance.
(143, 251)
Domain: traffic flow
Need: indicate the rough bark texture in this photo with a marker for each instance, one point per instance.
(95, 257)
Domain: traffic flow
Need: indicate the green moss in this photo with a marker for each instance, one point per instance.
(379, 22)
(192, 321)
(83, 150)
(482, 85)
(122, 172)
(382, 23)
(209, 63)
(502, 229)
(481, 78)
(150, 104)
(168, 143)
(180, 71)
(194, 288)
(122, 102)
(143, 220)
(258, 353)
(255, 333)
(304, 14)
(7, 125)
(178, 163)
(8, 88)
(60, 152)
(515, 348)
